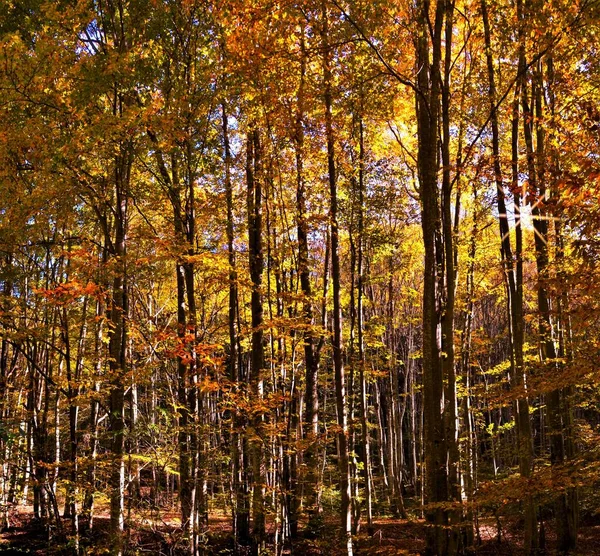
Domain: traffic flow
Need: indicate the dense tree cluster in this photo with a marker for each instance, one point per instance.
(283, 260)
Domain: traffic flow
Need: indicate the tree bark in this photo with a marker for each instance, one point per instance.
(118, 347)
(338, 360)
(256, 264)
(428, 111)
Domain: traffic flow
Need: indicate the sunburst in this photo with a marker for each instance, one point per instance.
(521, 218)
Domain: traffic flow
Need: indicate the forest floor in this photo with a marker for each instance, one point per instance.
(162, 538)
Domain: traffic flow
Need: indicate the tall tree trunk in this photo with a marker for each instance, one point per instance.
(116, 240)
(241, 516)
(5, 467)
(338, 360)
(566, 531)
(193, 398)
(366, 450)
(514, 280)
(394, 449)
(190, 449)
(469, 447)
(567, 505)
(428, 109)
(450, 273)
(117, 346)
(311, 359)
(256, 263)
(100, 312)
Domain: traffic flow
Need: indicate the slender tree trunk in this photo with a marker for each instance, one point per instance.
(241, 516)
(449, 287)
(88, 502)
(469, 468)
(5, 468)
(193, 398)
(537, 162)
(514, 281)
(366, 449)
(567, 511)
(311, 360)
(338, 360)
(71, 507)
(394, 450)
(256, 264)
(118, 349)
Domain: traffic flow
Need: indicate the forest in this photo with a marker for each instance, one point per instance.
(299, 277)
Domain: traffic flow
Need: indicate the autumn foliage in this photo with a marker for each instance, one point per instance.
(299, 267)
